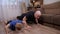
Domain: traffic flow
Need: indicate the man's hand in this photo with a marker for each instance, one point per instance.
(36, 21)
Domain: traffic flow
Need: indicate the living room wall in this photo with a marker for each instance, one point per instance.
(50, 1)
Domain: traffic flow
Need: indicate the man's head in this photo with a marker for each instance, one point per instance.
(37, 14)
(18, 26)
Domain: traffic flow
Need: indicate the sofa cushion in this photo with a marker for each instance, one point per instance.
(48, 18)
(56, 19)
(52, 11)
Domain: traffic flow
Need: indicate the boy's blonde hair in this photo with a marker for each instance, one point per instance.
(18, 26)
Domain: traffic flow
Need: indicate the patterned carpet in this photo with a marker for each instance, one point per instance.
(36, 29)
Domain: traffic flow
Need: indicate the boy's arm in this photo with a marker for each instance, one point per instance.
(24, 21)
(7, 28)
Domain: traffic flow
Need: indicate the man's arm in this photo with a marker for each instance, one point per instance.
(7, 28)
(36, 21)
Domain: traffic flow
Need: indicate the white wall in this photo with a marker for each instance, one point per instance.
(50, 1)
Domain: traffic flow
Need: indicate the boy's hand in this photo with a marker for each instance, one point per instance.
(28, 27)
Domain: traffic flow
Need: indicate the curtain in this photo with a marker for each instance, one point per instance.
(10, 9)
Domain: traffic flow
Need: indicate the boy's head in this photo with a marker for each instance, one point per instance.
(18, 26)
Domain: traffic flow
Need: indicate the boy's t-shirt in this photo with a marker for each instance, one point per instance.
(13, 23)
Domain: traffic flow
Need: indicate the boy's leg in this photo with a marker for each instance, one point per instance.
(8, 22)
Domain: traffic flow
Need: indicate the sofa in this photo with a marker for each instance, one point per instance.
(51, 14)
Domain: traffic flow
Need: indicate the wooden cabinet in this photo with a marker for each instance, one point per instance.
(35, 5)
(36, 2)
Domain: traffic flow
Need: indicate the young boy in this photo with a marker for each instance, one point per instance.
(14, 25)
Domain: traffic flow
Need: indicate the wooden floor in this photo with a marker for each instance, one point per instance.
(36, 29)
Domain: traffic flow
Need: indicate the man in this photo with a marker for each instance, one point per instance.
(30, 16)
